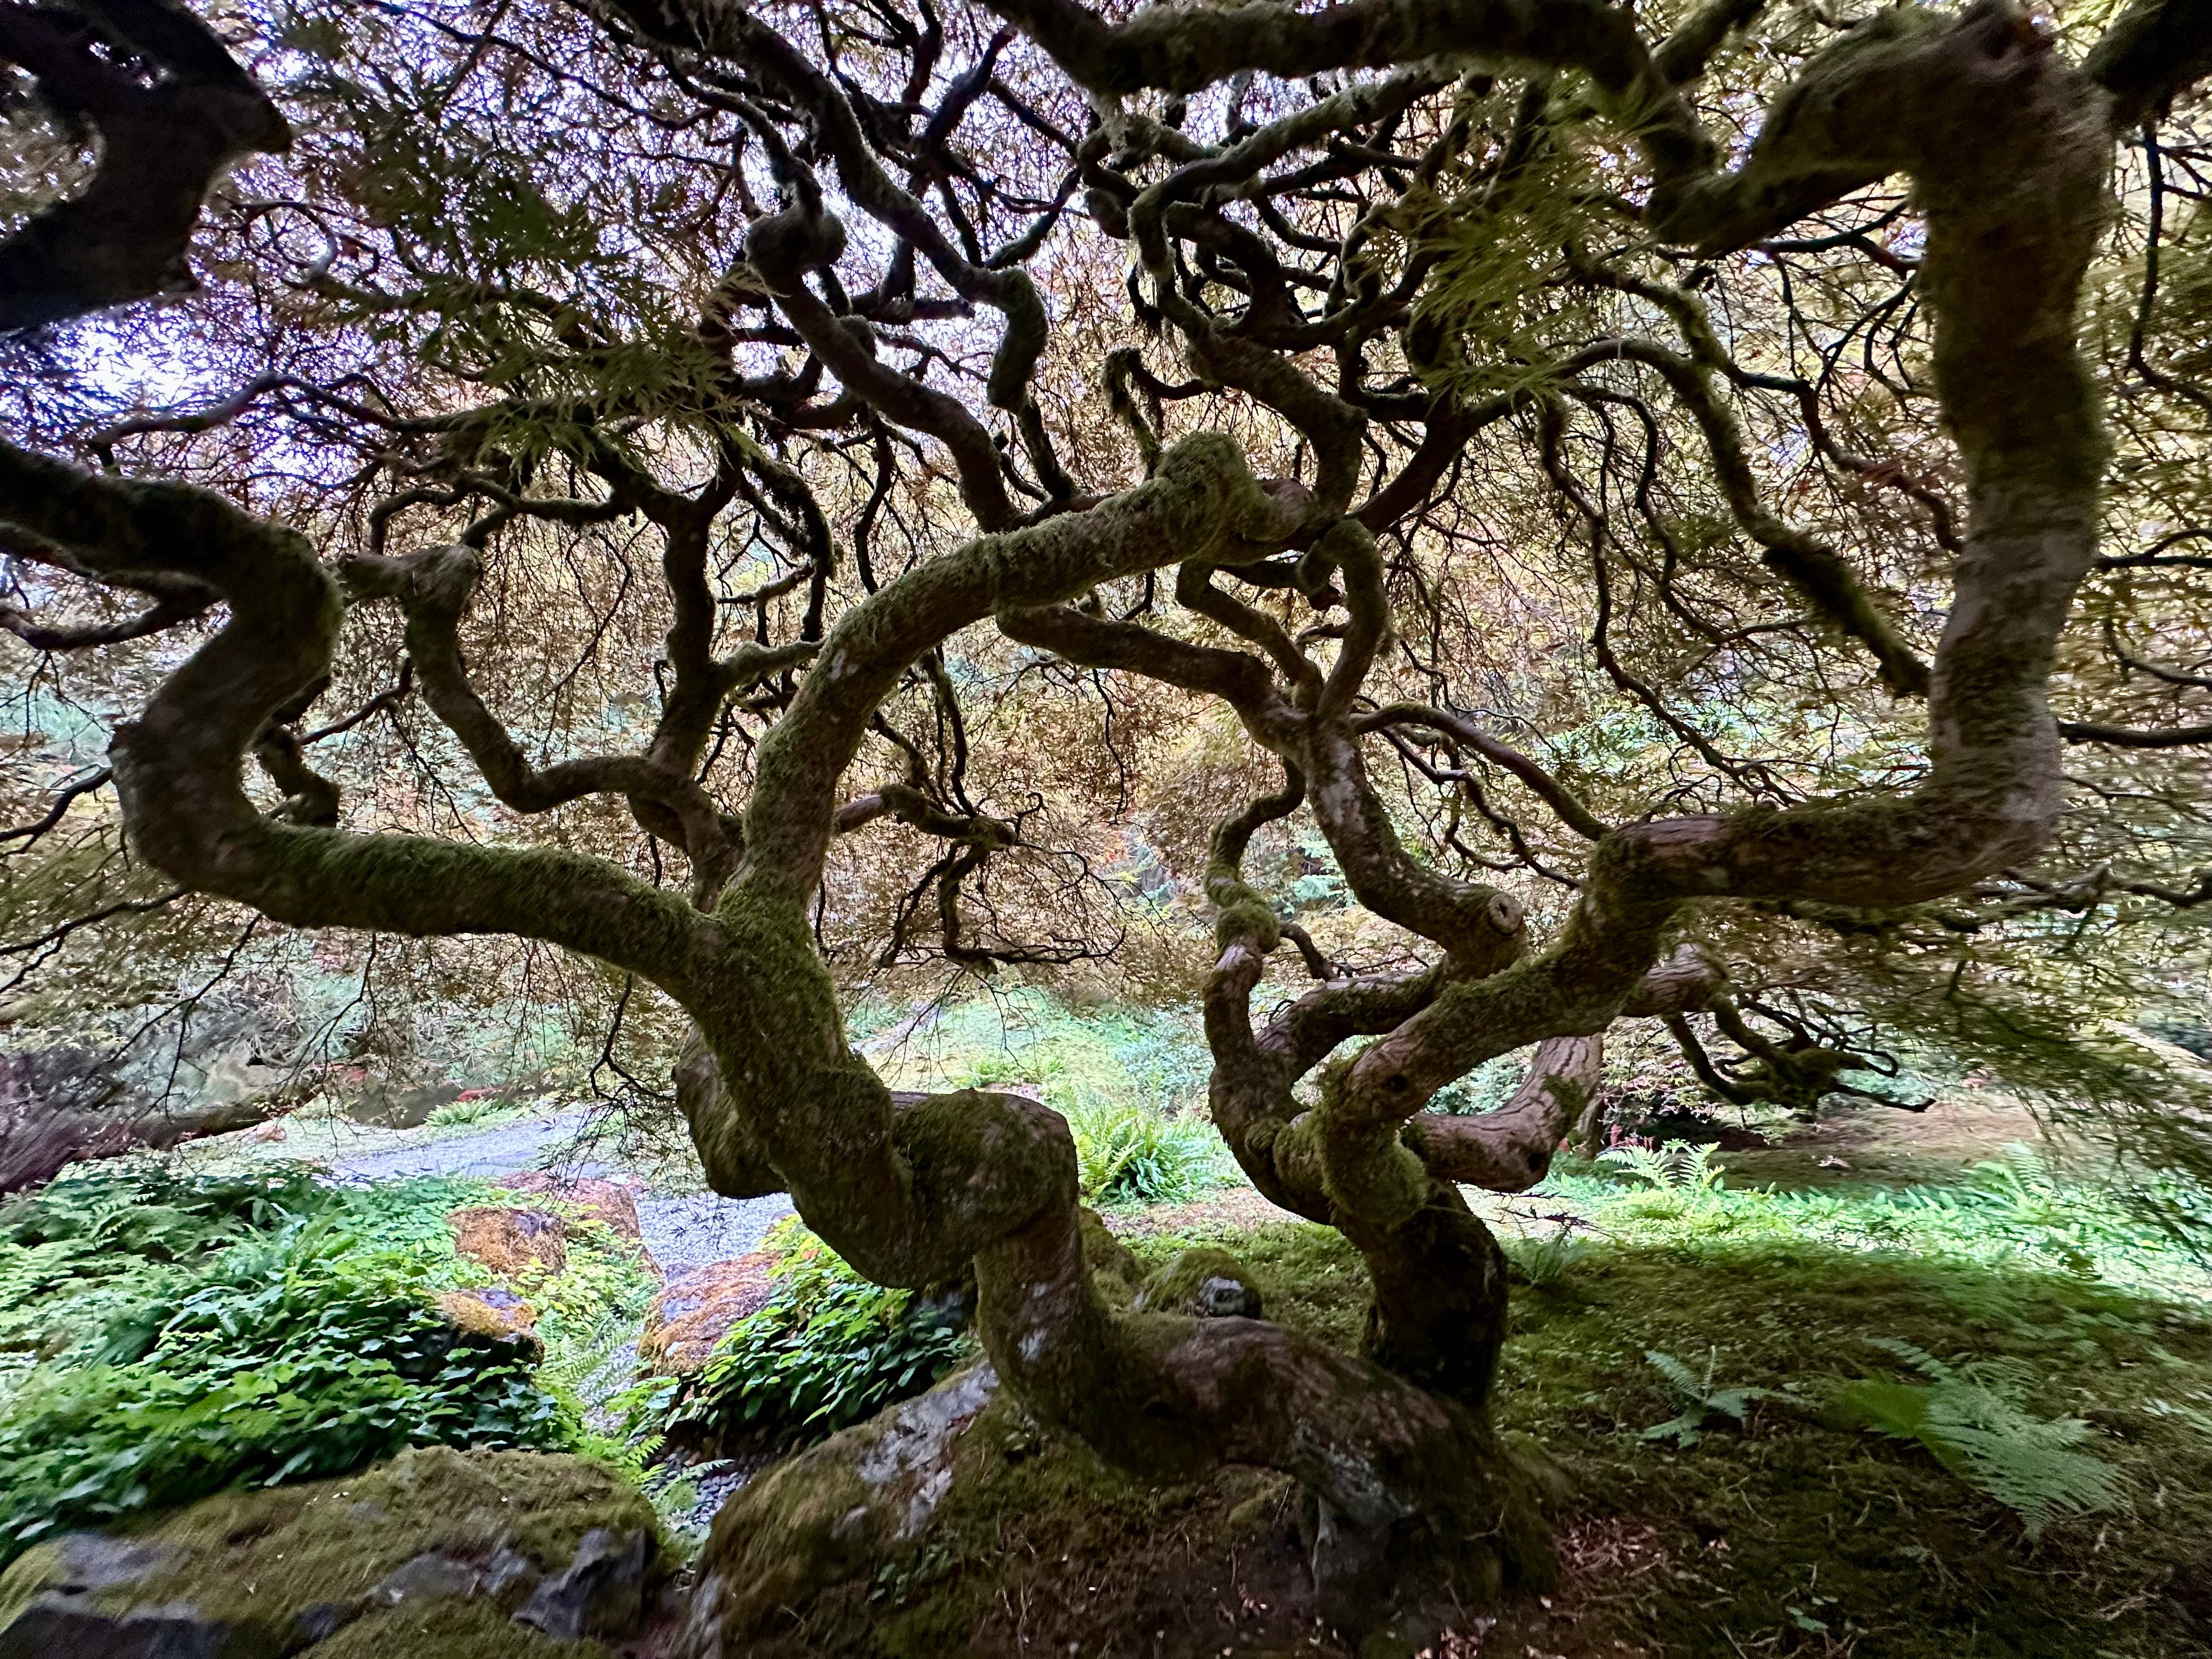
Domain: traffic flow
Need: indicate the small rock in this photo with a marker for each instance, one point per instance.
(913, 1451)
(322, 1621)
(427, 1576)
(492, 1310)
(832, 1514)
(697, 1309)
(1222, 1297)
(601, 1594)
(95, 1561)
(508, 1241)
(431, 1575)
(1209, 1283)
(71, 1618)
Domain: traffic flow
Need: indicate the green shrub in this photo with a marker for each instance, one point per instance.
(484, 1108)
(830, 1350)
(1131, 1155)
(173, 1336)
(2016, 1197)
(1485, 1089)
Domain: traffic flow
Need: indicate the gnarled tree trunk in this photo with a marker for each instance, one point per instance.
(2006, 144)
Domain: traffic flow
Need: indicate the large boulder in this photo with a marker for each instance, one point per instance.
(389, 1105)
(65, 1105)
(696, 1308)
(536, 1550)
(833, 1515)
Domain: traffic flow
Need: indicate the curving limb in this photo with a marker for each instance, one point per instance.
(166, 136)
(178, 768)
(2014, 389)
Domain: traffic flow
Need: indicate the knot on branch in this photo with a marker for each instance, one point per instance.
(437, 582)
(786, 246)
(1347, 541)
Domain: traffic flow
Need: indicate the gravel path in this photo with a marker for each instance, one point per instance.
(688, 1230)
(702, 1227)
(500, 1150)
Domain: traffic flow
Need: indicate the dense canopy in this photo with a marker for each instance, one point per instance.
(792, 503)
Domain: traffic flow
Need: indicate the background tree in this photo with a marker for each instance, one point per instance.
(707, 487)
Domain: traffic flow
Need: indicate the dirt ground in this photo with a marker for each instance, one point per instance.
(1881, 1145)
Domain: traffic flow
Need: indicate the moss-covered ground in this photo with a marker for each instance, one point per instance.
(259, 1562)
(1794, 1531)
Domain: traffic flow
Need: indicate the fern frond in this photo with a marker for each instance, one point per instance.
(1642, 1163)
(1676, 1372)
(1973, 1418)
(1919, 1358)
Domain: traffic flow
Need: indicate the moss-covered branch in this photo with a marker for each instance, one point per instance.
(179, 767)
(2007, 145)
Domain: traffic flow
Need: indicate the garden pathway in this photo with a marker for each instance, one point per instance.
(681, 1229)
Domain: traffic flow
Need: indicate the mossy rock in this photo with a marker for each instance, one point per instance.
(510, 1241)
(1208, 1283)
(835, 1514)
(1024, 1542)
(448, 1629)
(539, 1545)
(699, 1306)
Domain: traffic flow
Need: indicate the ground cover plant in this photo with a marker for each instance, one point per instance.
(1432, 529)
(828, 1351)
(166, 1336)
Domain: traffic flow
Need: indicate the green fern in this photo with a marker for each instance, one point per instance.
(1677, 1167)
(1545, 1263)
(1700, 1400)
(1973, 1418)
(1134, 1154)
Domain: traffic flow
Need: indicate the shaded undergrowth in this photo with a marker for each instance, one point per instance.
(164, 1336)
(829, 1349)
(1959, 1421)
(1789, 1519)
